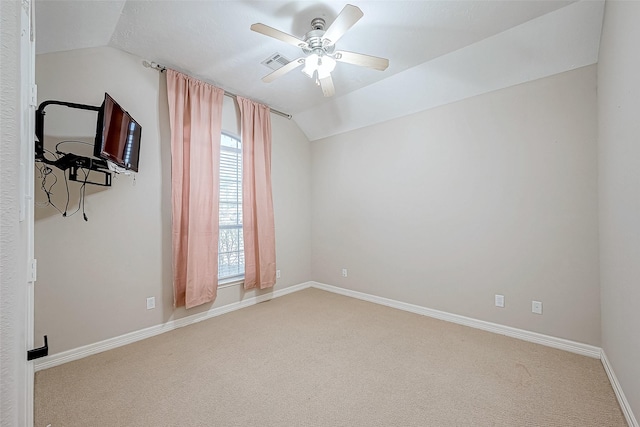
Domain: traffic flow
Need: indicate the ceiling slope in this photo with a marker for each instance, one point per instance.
(439, 51)
(68, 25)
(560, 41)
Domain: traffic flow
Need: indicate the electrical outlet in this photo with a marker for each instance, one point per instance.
(499, 300)
(151, 303)
(277, 274)
(536, 307)
(344, 272)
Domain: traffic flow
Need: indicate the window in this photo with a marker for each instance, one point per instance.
(231, 242)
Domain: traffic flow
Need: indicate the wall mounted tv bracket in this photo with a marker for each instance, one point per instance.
(72, 162)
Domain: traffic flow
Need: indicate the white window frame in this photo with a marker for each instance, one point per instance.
(239, 279)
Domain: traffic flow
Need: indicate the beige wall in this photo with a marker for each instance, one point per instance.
(94, 277)
(447, 207)
(619, 191)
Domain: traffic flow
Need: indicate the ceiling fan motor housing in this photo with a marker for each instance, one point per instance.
(315, 41)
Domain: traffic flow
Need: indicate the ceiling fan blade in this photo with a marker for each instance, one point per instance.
(279, 35)
(327, 86)
(363, 60)
(283, 70)
(346, 19)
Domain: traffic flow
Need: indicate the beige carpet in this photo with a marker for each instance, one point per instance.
(313, 358)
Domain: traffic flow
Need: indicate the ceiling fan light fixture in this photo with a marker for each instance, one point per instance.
(325, 66)
(311, 64)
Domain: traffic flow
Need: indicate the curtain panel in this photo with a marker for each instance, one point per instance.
(257, 204)
(195, 113)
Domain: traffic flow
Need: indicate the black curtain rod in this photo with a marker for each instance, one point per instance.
(161, 68)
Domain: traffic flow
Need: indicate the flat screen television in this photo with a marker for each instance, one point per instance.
(117, 135)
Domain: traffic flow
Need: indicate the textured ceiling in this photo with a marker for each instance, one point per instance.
(439, 51)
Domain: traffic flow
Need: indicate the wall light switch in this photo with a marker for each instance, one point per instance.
(499, 300)
(151, 303)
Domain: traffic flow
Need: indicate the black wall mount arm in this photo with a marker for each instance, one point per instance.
(40, 122)
(67, 161)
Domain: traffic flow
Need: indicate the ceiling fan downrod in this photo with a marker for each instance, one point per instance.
(317, 24)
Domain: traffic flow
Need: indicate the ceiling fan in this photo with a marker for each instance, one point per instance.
(319, 47)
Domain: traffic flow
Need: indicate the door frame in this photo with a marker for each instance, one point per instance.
(28, 104)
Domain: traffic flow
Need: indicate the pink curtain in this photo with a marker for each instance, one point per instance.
(195, 113)
(257, 204)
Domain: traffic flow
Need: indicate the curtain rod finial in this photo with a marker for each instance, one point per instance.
(153, 65)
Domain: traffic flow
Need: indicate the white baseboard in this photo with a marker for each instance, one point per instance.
(549, 341)
(622, 400)
(111, 343)
(534, 337)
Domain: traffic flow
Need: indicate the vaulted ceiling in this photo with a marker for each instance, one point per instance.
(439, 51)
